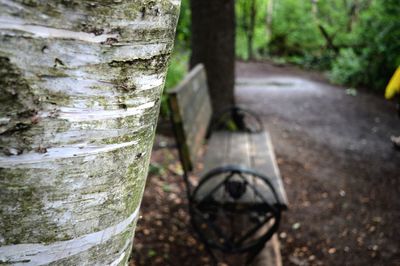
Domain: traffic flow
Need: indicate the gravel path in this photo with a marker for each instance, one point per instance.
(340, 170)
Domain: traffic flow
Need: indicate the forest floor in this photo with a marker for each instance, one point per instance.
(340, 171)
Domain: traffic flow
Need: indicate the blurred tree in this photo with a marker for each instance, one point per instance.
(270, 15)
(247, 23)
(80, 91)
(213, 44)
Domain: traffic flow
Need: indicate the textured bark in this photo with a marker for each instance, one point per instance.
(213, 44)
(270, 14)
(80, 90)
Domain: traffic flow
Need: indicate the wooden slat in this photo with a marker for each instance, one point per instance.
(191, 114)
(180, 136)
(220, 146)
(270, 255)
(218, 149)
(193, 98)
(239, 154)
(239, 150)
(264, 161)
(191, 86)
(196, 130)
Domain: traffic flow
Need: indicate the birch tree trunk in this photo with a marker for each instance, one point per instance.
(80, 88)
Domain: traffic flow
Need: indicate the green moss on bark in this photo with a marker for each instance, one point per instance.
(77, 150)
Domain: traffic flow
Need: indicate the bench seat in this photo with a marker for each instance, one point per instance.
(249, 150)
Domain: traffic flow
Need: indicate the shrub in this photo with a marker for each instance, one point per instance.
(347, 68)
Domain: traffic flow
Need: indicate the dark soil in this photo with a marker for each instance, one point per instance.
(341, 174)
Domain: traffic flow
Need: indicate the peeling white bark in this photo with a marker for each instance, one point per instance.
(52, 154)
(39, 254)
(80, 115)
(10, 23)
(80, 90)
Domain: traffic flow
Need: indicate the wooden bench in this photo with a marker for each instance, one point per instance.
(236, 206)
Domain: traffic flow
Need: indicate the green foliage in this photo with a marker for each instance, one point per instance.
(177, 70)
(294, 31)
(183, 28)
(378, 35)
(376, 47)
(346, 68)
(357, 41)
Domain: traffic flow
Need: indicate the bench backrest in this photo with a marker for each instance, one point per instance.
(190, 114)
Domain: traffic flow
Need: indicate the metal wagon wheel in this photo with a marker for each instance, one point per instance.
(219, 223)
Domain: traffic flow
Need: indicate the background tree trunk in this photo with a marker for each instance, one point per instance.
(252, 26)
(213, 43)
(270, 14)
(80, 90)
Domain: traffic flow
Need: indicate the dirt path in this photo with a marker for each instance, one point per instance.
(341, 173)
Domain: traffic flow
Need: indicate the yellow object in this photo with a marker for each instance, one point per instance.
(394, 85)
